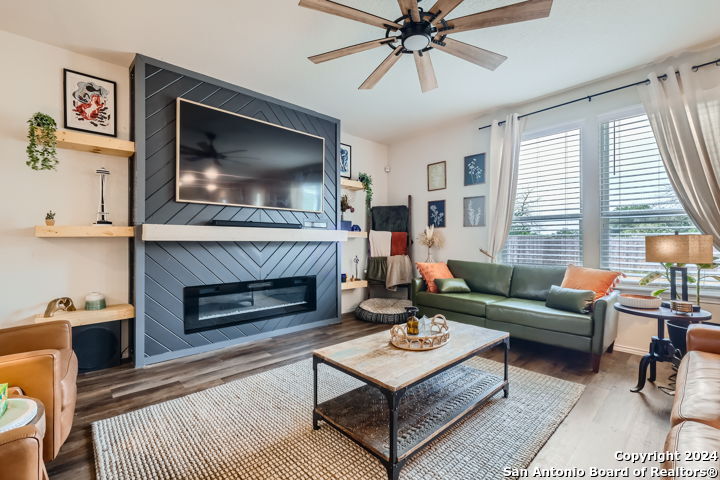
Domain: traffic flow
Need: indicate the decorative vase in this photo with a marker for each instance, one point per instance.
(95, 301)
(49, 223)
(429, 258)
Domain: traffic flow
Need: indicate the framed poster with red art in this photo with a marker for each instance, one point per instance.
(90, 103)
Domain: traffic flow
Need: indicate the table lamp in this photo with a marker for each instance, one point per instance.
(679, 250)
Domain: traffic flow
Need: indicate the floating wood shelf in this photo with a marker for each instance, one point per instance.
(89, 317)
(87, 231)
(207, 233)
(351, 184)
(357, 235)
(355, 284)
(87, 142)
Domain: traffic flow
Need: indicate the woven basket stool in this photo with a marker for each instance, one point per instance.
(383, 310)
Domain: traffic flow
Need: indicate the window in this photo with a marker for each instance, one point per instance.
(547, 221)
(636, 196)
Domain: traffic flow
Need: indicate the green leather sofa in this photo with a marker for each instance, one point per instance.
(512, 298)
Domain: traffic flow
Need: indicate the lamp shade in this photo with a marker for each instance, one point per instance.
(679, 248)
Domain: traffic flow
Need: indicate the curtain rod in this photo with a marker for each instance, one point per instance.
(589, 98)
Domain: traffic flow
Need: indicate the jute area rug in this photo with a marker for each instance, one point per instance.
(260, 427)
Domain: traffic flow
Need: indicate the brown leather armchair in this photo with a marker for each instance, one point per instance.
(21, 451)
(39, 359)
(695, 417)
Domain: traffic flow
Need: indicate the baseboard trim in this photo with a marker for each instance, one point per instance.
(630, 350)
(163, 357)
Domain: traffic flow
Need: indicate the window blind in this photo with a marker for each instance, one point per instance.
(547, 220)
(637, 198)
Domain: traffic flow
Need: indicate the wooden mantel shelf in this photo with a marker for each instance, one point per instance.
(87, 231)
(207, 233)
(348, 184)
(354, 284)
(87, 142)
(90, 317)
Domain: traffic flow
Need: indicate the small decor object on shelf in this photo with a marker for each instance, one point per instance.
(356, 261)
(679, 306)
(436, 335)
(474, 211)
(345, 161)
(3, 398)
(90, 103)
(355, 228)
(436, 213)
(42, 142)
(95, 301)
(640, 301)
(436, 176)
(61, 304)
(102, 216)
(344, 207)
(430, 238)
(343, 277)
(50, 218)
(474, 169)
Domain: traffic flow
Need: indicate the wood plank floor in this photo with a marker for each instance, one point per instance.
(607, 418)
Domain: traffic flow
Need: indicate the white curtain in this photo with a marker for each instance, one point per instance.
(684, 112)
(503, 162)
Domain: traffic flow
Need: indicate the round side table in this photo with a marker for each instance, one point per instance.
(661, 349)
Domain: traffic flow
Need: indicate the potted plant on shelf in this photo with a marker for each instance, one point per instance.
(50, 218)
(42, 142)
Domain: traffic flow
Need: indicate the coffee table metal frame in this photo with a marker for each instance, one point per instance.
(393, 464)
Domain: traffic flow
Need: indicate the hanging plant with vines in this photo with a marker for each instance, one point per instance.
(366, 180)
(42, 142)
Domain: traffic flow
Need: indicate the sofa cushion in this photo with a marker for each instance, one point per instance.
(534, 313)
(570, 300)
(451, 285)
(697, 391)
(481, 277)
(691, 437)
(432, 271)
(601, 282)
(472, 303)
(534, 281)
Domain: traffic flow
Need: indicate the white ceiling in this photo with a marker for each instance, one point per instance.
(263, 44)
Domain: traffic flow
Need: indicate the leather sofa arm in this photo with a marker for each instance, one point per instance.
(21, 453)
(38, 374)
(55, 335)
(605, 323)
(705, 338)
(418, 285)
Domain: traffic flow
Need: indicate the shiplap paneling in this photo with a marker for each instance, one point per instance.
(168, 267)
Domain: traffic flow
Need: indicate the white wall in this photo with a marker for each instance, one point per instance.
(371, 158)
(35, 270)
(410, 156)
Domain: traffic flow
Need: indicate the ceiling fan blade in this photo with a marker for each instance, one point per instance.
(410, 6)
(426, 72)
(518, 12)
(341, 52)
(442, 8)
(382, 69)
(348, 12)
(471, 53)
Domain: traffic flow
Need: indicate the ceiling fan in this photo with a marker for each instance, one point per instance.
(419, 31)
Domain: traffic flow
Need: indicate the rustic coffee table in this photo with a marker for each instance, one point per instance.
(438, 390)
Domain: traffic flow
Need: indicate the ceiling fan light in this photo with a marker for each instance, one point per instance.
(416, 42)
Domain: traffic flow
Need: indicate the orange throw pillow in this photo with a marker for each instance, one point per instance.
(599, 281)
(431, 271)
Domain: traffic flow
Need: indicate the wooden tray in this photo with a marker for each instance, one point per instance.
(439, 336)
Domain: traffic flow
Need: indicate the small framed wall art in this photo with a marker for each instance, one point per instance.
(345, 161)
(90, 103)
(474, 211)
(436, 176)
(474, 169)
(436, 214)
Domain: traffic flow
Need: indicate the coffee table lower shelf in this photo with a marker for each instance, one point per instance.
(426, 411)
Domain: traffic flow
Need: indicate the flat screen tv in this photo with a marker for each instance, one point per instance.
(224, 158)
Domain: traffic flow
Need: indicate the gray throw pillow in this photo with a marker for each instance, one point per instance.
(570, 300)
(451, 285)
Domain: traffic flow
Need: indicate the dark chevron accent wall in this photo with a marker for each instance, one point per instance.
(162, 269)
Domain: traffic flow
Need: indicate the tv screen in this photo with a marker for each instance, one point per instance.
(225, 158)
